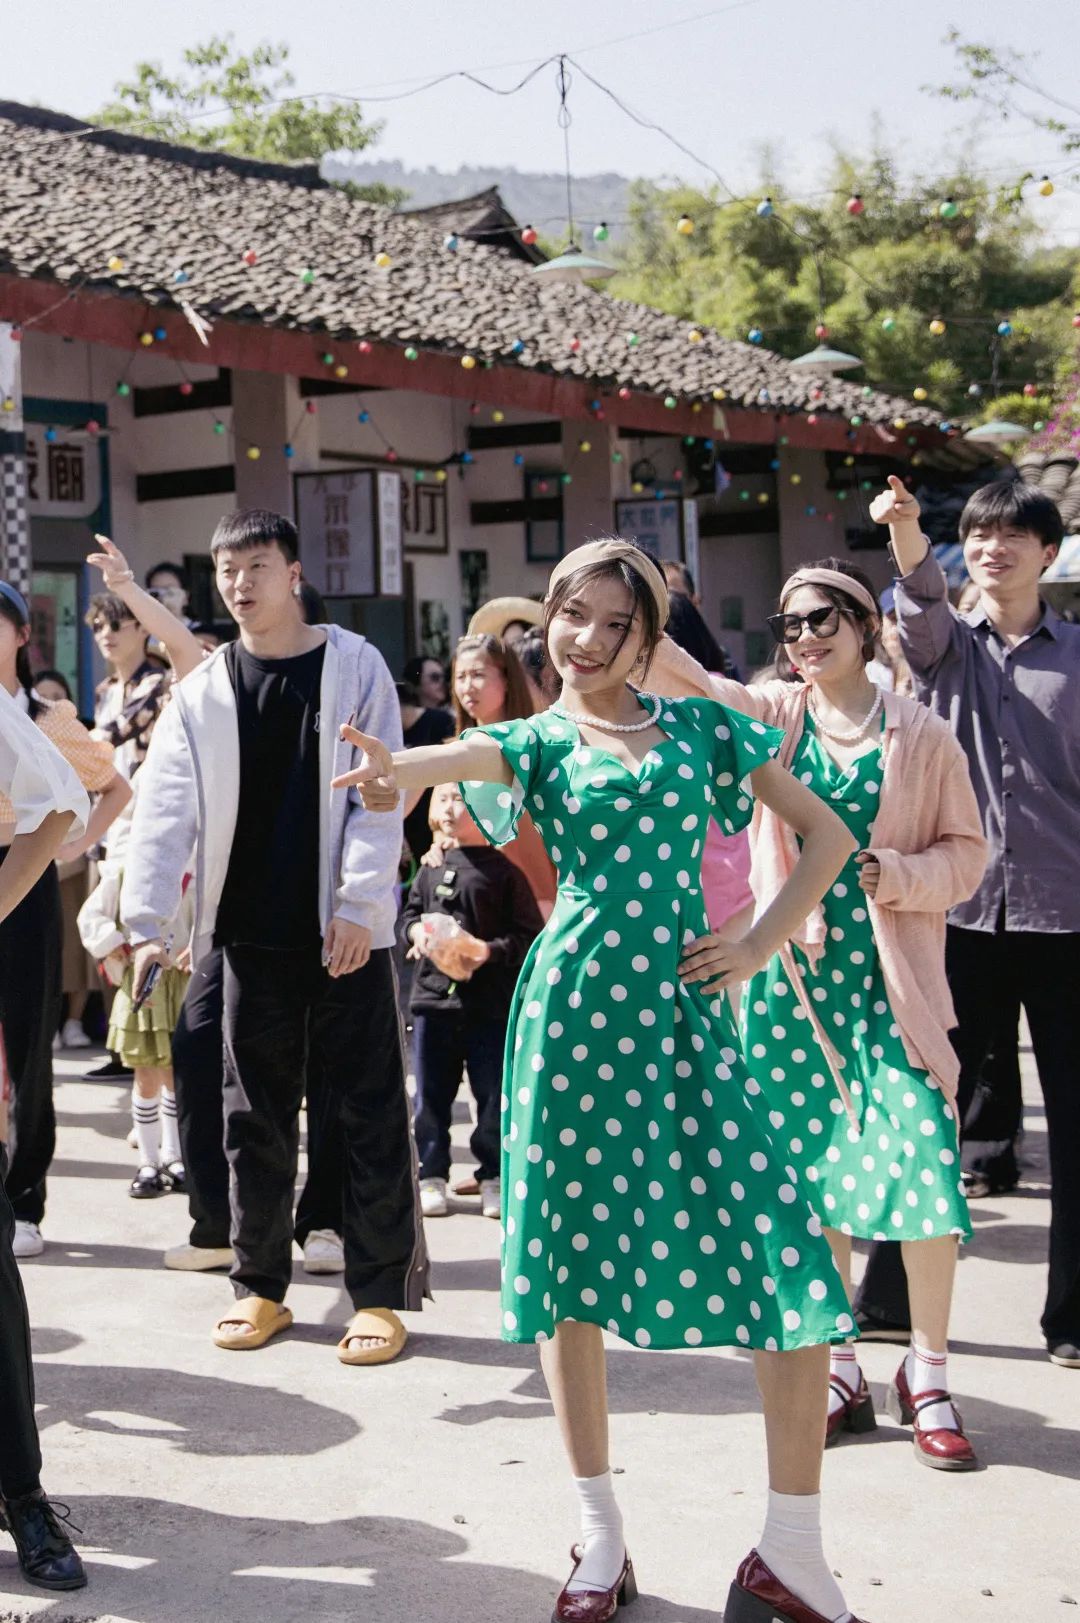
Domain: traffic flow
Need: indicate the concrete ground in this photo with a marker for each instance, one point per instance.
(278, 1485)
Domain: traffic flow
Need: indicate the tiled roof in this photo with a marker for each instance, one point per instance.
(75, 196)
(483, 217)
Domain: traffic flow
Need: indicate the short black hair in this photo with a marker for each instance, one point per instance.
(413, 669)
(109, 607)
(166, 568)
(1009, 503)
(312, 606)
(687, 628)
(676, 566)
(255, 527)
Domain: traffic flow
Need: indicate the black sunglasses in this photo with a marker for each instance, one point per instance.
(97, 626)
(823, 622)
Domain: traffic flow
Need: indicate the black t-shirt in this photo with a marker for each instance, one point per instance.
(430, 727)
(271, 892)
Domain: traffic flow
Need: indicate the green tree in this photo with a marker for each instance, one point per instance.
(1002, 80)
(875, 279)
(227, 102)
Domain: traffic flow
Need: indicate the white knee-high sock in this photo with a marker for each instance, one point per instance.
(170, 1129)
(601, 1533)
(144, 1113)
(929, 1372)
(790, 1547)
(843, 1364)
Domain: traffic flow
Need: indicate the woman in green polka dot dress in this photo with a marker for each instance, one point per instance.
(848, 1034)
(642, 1191)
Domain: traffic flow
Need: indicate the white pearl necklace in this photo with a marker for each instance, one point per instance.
(859, 732)
(580, 719)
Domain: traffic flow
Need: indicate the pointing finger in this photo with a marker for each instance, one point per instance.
(899, 488)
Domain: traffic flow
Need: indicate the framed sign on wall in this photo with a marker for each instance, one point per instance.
(656, 526)
(350, 532)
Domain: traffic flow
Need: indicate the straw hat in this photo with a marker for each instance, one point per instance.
(492, 618)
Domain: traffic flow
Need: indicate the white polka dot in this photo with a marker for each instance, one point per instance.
(522, 1285)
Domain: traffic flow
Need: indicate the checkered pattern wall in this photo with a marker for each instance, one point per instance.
(14, 519)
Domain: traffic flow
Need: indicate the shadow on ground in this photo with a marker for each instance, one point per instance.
(179, 1564)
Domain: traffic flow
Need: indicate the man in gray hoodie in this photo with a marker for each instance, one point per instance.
(295, 884)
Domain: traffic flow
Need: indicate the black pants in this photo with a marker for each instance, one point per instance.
(279, 1007)
(444, 1044)
(989, 973)
(20, 1453)
(30, 946)
(198, 1065)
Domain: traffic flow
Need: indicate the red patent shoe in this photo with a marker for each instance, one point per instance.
(758, 1596)
(940, 1448)
(594, 1605)
(856, 1411)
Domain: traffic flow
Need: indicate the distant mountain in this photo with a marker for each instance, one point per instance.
(538, 200)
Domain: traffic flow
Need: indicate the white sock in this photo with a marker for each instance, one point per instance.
(144, 1113)
(929, 1372)
(790, 1547)
(601, 1534)
(845, 1366)
(170, 1129)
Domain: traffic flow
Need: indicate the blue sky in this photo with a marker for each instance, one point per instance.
(792, 74)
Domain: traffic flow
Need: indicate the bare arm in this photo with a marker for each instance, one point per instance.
(28, 857)
(898, 508)
(182, 646)
(107, 808)
(826, 847)
(384, 777)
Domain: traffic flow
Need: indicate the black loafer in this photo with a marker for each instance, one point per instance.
(148, 1183)
(46, 1554)
(1065, 1353)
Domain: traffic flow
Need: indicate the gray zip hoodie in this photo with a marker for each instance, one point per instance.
(190, 787)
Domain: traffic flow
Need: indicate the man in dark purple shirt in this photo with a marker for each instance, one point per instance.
(1007, 677)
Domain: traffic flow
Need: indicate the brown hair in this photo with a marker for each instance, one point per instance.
(518, 702)
(644, 602)
(867, 624)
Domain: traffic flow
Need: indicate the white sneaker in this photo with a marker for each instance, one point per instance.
(198, 1259)
(433, 1201)
(28, 1241)
(491, 1197)
(72, 1035)
(324, 1252)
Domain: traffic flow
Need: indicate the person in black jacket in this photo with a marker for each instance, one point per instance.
(464, 984)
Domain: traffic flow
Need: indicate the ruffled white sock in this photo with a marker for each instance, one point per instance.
(845, 1366)
(601, 1534)
(790, 1547)
(929, 1372)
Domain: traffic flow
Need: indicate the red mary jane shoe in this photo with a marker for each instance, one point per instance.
(594, 1605)
(758, 1596)
(856, 1412)
(941, 1449)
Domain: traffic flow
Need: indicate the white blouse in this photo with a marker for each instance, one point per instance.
(34, 775)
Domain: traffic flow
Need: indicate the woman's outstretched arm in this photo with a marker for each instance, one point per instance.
(382, 777)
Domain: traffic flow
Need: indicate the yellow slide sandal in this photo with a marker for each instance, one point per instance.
(371, 1323)
(265, 1318)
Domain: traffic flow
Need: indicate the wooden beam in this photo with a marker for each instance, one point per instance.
(180, 483)
(537, 511)
(504, 436)
(117, 320)
(157, 402)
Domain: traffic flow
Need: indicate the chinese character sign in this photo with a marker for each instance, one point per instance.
(336, 518)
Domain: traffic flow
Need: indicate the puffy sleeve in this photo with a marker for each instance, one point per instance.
(91, 757)
(34, 776)
(497, 808)
(740, 745)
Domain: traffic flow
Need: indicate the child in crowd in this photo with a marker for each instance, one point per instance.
(142, 1037)
(462, 991)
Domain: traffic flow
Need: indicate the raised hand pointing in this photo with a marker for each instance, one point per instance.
(374, 777)
(896, 505)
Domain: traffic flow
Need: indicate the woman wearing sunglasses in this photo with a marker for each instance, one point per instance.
(848, 1024)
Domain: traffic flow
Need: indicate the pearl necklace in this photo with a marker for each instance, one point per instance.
(579, 718)
(859, 732)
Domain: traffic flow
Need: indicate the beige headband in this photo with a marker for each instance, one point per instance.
(831, 577)
(615, 551)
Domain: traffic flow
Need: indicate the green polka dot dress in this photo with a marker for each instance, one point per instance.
(896, 1174)
(642, 1187)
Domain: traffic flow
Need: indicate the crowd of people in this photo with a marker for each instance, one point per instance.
(716, 959)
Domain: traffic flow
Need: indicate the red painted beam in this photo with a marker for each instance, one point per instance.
(106, 318)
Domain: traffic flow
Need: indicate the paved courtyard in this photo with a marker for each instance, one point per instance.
(277, 1485)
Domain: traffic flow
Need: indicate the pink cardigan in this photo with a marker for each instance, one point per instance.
(927, 837)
